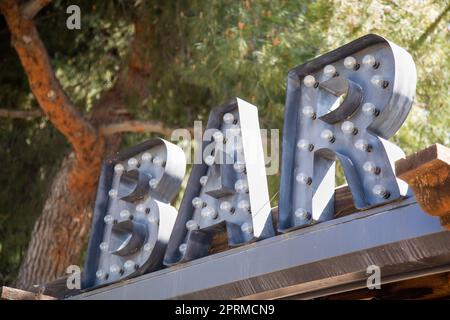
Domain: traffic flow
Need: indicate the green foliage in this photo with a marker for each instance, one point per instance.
(204, 53)
(29, 152)
(209, 53)
(405, 22)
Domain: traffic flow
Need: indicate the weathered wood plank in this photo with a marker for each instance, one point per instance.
(423, 288)
(8, 293)
(428, 174)
(343, 202)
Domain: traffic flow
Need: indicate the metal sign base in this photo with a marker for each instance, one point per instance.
(398, 237)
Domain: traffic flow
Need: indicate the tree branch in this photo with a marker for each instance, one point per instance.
(430, 28)
(45, 86)
(136, 126)
(20, 114)
(31, 8)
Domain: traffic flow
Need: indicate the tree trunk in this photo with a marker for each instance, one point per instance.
(58, 233)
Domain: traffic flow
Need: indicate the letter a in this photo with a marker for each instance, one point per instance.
(74, 20)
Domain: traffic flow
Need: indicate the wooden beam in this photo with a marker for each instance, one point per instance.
(7, 293)
(428, 174)
(423, 288)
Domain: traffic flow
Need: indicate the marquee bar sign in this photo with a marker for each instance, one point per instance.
(340, 106)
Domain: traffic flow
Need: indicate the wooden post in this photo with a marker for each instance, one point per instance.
(428, 174)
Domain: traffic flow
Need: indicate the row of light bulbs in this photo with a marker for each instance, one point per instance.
(125, 215)
(129, 266)
(132, 163)
(219, 138)
(208, 212)
(329, 71)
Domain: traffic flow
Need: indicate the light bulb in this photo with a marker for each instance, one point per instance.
(209, 160)
(158, 161)
(100, 274)
(218, 137)
(192, 225)
(302, 214)
(327, 135)
(148, 247)
(103, 246)
(348, 127)
(377, 80)
(380, 191)
(234, 131)
(197, 202)
(308, 111)
(246, 227)
(153, 218)
(369, 109)
(225, 206)
(153, 183)
(350, 62)
(244, 205)
(118, 168)
(182, 248)
(115, 269)
(371, 167)
(309, 81)
(329, 71)
(303, 144)
(132, 163)
(140, 208)
(239, 167)
(129, 265)
(369, 60)
(109, 219)
(112, 193)
(239, 146)
(241, 186)
(124, 214)
(209, 213)
(228, 118)
(362, 145)
(303, 178)
(203, 180)
(147, 157)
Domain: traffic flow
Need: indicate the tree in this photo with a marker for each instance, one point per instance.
(57, 238)
(175, 61)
